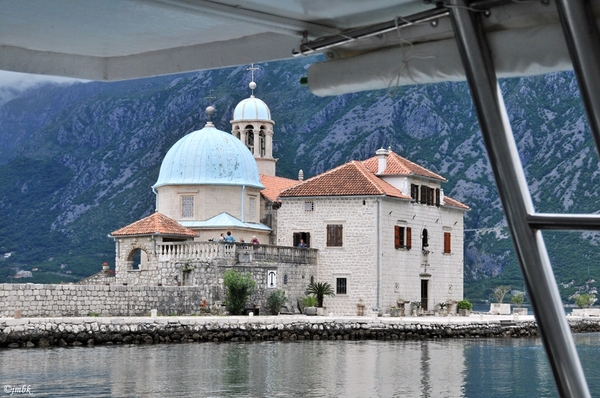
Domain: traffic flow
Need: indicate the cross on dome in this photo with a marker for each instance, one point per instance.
(252, 84)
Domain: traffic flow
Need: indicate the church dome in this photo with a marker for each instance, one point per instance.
(252, 109)
(209, 156)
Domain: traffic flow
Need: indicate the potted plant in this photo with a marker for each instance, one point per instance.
(442, 308)
(417, 306)
(310, 305)
(464, 307)
(499, 308)
(320, 290)
(517, 299)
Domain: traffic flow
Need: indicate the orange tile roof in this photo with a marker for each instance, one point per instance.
(455, 203)
(274, 185)
(349, 179)
(156, 224)
(397, 165)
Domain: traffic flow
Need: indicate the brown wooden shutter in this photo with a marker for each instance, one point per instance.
(408, 238)
(437, 197)
(423, 194)
(397, 241)
(447, 243)
(335, 235)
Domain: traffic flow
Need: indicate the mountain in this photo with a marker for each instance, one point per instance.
(78, 161)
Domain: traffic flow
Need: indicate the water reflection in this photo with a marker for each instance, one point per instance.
(442, 368)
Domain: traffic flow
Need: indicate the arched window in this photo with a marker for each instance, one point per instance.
(236, 132)
(137, 259)
(250, 137)
(262, 143)
(425, 239)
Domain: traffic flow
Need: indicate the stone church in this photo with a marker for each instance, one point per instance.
(380, 231)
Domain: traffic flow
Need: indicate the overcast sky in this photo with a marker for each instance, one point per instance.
(12, 83)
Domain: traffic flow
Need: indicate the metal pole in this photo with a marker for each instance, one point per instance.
(516, 200)
(583, 42)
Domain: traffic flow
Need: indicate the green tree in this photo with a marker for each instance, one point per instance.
(499, 292)
(238, 287)
(320, 290)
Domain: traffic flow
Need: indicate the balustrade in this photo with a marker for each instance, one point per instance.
(216, 250)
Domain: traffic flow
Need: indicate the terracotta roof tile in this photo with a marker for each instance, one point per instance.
(349, 179)
(455, 203)
(158, 224)
(397, 165)
(274, 185)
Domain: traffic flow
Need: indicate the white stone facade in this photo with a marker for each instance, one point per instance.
(368, 246)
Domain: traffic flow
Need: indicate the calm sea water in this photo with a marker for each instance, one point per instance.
(442, 368)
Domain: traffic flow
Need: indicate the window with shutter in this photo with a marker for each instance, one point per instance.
(335, 234)
(437, 197)
(402, 237)
(447, 243)
(424, 191)
(414, 192)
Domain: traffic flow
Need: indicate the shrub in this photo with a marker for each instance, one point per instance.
(584, 300)
(320, 289)
(309, 301)
(238, 288)
(517, 299)
(464, 305)
(275, 301)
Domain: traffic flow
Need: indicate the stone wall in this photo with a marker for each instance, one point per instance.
(203, 283)
(15, 333)
(81, 300)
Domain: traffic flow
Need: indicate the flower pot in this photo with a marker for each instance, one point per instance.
(311, 311)
(464, 312)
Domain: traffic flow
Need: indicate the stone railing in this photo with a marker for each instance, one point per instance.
(243, 252)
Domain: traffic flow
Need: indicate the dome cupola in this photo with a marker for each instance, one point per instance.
(209, 157)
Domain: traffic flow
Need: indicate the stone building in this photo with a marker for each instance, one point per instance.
(379, 230)
(377, 244)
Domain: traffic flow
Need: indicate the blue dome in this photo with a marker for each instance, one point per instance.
(252, 109)
(209, 156)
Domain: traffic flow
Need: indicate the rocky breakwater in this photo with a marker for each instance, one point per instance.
(46, 332)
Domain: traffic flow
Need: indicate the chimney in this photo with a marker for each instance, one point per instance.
(300, 175)
(382, 155)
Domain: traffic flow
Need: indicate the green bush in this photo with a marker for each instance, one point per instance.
(464, 305)
(275, 301)
(517, 299)
(238, 287)
(309, 301)
(584, 300)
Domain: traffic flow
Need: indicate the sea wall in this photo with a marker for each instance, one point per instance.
(45, 332)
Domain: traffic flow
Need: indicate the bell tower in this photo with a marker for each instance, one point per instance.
(252, 124)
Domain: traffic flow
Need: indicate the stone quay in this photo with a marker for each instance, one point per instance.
(89, 331)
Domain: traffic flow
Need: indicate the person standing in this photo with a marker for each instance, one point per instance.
(229, 238)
